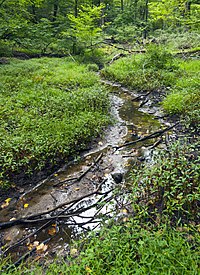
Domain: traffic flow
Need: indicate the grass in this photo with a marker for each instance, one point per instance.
(162, 235)
(150, 71)
(128, 249)
(158, 69)
(49, 109)
(184, 97)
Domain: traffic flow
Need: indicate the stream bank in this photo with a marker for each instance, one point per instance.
(80, 185)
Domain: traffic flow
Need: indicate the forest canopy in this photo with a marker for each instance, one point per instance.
(58, 26)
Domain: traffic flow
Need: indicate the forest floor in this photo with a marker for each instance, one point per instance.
(136, 138)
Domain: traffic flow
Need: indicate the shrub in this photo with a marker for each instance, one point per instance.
(168, 191)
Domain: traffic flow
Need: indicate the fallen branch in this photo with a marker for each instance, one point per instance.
(155, 144)
(139, 96)
(30, 218)
(91, 166)
(153, 135)
(82, 175)
(27, 237)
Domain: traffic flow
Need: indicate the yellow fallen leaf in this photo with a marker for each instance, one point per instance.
(41, 247)
(26, 205)
(8, 200)
(124, 211)
(30, 246)
(36, 243)
(4, 205)
(55, 175)
(52, 231)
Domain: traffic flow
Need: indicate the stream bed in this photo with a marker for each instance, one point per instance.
(76, 198)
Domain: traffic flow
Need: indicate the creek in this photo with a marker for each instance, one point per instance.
(100, 168)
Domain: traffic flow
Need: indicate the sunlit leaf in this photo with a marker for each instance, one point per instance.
(52, 231)
(8, 200)
(89, 270)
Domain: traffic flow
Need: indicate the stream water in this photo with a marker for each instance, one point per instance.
(68, 184)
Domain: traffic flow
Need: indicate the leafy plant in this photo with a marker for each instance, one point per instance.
(49, 109)
(168, 191)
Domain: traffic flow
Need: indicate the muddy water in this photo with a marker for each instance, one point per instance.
(67, 184)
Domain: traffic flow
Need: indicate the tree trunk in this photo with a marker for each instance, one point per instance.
(146, 15)
(74, 47)
(122, 5)
(55, 10)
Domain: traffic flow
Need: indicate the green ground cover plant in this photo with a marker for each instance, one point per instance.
(168, 190)
(158, 69)
(160, 237)
(184, 97)
(49, 109)
(153, 70)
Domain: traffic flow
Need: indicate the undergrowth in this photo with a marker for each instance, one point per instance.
(161, 236)
(168, 190)
(158, 69)
(129, 249)
(49, 109)
(155, 69)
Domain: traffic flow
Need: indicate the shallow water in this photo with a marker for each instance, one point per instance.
(63, 185)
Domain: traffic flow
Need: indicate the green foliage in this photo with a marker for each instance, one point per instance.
(169, 191)
(184, 97)
(93, 67)
(157, 58)
(178, 39)
(49, 109)
(84, 27)
(173, 13)
(129, 249)
(154, 70)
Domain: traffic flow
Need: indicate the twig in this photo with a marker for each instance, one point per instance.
(153, 135)
(82, 175)
(91, 166)
(156, 143)
(24, 239)
(139, 96)
(29, 218)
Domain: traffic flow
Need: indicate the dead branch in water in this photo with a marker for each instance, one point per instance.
(30, 218)
(153, 135)
(83, 174)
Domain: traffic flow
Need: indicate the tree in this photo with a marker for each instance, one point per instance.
(85, 28)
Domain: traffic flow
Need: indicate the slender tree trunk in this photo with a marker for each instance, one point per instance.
(188, 7)
(55, 10)
(122, 5)
(135, 10)
(146, 16)
(74, 47)
(34, 13)
(76, 8)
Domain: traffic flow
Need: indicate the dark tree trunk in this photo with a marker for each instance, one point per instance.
(146, 15)
(55, 10)
(122, 5)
